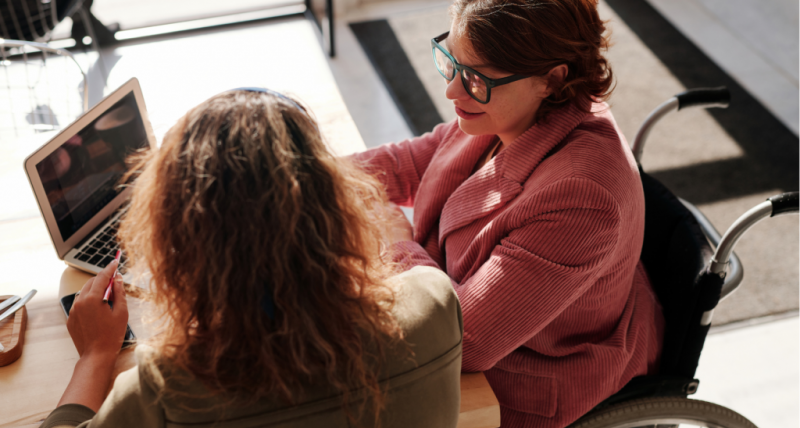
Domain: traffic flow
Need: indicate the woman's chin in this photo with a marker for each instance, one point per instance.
(473, 127)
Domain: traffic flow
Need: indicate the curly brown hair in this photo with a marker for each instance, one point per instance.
(244, 205)
(533, 36)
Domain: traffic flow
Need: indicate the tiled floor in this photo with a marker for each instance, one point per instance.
(754, 371)
(755, 41)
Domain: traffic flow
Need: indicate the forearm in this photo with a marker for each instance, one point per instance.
(535, 273)
(409, 254)
(400, 166)
(90, 381)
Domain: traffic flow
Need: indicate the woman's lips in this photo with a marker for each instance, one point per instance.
(467, 115)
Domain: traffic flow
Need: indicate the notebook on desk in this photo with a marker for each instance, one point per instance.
(76, 177)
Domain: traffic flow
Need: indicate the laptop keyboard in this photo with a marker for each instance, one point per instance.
(101, 249)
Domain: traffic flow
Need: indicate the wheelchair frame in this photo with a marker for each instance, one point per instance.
(660, 401)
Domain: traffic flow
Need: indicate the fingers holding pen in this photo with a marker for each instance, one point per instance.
(120, 308)
(103, 278)
(97, 326)
(93, 290)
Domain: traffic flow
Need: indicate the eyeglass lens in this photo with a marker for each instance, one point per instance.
(474, 85)
(444, 64)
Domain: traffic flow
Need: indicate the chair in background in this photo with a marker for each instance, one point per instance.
(34, 21)
(41, 88)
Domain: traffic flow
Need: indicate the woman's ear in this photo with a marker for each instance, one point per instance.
(555, 77)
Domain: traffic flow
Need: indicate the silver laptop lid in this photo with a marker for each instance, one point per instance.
(76, 176)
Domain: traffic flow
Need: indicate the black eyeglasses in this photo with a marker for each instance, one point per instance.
(478, 86)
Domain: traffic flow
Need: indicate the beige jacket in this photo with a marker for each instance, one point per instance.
(422, 392)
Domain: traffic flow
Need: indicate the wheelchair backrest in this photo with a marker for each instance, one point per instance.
(675, 253)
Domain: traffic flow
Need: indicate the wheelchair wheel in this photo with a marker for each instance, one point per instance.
(663, 412)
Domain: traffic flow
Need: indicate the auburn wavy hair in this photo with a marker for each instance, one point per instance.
(242, 210)
(533, 36)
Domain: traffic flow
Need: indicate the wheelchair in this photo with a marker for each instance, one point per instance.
(691, 269)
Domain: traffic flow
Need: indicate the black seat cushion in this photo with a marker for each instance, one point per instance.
(675, 253)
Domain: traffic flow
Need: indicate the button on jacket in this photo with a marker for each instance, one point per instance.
(542, 246)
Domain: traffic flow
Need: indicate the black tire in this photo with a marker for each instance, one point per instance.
(663, 411)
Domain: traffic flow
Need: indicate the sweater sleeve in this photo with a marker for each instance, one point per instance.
(400, 166)
(132, 402)
(535, 273)
(409, 254)
(68, 415)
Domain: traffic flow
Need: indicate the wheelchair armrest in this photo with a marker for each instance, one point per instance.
(735, 268)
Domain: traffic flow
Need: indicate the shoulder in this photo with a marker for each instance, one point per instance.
(422, 283)
(600, 124)
(150, 372)
(157, 374)
(595, 157)
(132, 401)
(147, 361)
(428, 312)
(425, 295)
(597, 147)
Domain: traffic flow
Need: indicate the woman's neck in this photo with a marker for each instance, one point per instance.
(492, 151)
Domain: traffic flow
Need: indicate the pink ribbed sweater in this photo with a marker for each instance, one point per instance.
(542, 245)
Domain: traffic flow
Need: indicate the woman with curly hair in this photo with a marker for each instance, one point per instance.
(532, 203)
(266, 262)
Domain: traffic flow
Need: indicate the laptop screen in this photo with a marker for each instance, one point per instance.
(83, 175)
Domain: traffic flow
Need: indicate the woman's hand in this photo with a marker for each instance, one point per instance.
(97, 331)
(400, 228)
(95, 327)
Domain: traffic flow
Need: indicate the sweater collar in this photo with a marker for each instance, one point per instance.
(502, 178)
(530, 148)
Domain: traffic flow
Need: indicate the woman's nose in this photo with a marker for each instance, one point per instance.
(455, 89)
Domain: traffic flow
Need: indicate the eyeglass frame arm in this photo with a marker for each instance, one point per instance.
(63, 52)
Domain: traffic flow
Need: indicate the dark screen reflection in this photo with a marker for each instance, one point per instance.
(82, 176)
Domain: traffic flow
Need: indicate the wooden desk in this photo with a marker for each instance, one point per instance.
(31, 387)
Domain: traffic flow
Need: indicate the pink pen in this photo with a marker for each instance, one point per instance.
(109, 289)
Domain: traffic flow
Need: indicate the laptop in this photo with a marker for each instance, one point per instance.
(76, 178)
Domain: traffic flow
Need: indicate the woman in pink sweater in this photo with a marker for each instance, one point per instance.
(532, 203)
